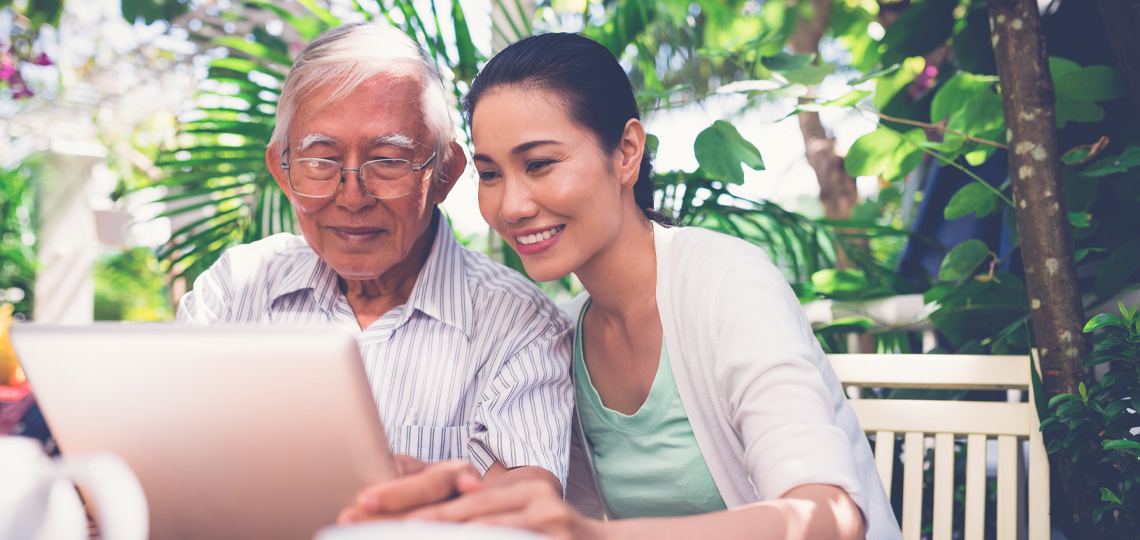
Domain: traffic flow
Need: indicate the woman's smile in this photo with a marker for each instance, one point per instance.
(532, 241)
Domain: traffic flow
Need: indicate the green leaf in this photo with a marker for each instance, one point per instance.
(1060, 398)
(1127, 159)
(1121, 265)
(846, 325)
(1059, 67)
(1082, 253)
(883, 152)
(1120, 444)
(972, 198)
(1080, 219)
(1094, 83)
(850, 99)
(875, 75)
(1114, 410)
(956, 93)
(468, 56)
(254, 49)
(1097, 358)
(961, 262)
(1103, 320)
(720, 149)
(1074, 110)
(839, 283)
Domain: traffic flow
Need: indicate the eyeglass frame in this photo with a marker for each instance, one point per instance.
(287, 166)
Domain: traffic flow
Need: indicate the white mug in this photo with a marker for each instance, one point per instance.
(38, 499)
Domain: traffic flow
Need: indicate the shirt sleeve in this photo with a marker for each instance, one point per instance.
(770, 373)
(209, 302)
(523, 416)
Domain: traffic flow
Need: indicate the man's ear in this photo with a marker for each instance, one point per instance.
(630, 150)
(273, 162)
(446, 177)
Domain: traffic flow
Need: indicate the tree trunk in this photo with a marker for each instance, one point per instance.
(837, 190)
(1121, 21)
(1039, 203)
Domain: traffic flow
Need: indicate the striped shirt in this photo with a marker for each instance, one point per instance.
(474, 366)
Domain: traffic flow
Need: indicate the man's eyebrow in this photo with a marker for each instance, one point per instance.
(395, 139)
(314, 139)
(516, 150)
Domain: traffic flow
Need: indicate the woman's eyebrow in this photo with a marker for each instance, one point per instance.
(516, 150)
(529, 145)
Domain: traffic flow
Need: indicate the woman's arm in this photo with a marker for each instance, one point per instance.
(806, 512)
(813, 511)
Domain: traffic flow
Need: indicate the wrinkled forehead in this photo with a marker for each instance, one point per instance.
(386, 109)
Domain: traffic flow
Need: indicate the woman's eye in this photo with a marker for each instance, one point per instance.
(487, 176)
(535, 166)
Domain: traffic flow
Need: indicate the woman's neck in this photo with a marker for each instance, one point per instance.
(622, 278)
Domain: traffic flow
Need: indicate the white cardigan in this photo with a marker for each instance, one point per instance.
(767, 410)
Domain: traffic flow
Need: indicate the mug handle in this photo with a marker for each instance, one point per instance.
(119, 499)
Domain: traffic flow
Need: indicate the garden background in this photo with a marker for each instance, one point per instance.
(866, 145)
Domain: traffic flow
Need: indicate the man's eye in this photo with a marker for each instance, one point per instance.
(316, 163)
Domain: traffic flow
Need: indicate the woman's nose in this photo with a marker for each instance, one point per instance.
(518, 202)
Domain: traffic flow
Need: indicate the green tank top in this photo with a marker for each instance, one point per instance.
(648, 464)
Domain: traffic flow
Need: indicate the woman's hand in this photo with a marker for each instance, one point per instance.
(420, 484)
(533, 505)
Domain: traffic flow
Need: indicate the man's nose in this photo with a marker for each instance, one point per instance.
(352, 194)
(518, 203)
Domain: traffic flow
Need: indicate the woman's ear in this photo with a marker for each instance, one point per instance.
(630, 149)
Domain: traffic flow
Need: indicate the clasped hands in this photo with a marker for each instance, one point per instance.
(453, 491)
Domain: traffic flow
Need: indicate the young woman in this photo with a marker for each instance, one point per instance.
(702, 395)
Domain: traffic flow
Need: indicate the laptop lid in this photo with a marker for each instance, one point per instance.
(232, 432)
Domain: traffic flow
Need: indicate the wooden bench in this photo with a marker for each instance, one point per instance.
(919, 421)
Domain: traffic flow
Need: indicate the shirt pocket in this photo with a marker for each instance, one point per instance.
(430, 443)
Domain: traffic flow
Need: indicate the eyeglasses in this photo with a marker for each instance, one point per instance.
(381, 178)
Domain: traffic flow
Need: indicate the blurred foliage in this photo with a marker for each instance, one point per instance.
(934, 109)
(17, 239)
(130, 286)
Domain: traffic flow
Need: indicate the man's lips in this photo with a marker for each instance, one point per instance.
(357, 233)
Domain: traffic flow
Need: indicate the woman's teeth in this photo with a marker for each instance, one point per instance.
(538, 237)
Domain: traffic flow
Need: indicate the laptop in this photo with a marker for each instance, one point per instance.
(232, 432)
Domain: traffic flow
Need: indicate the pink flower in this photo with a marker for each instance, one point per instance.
(19, 91)
(7, 67)
(42, 60)
(923, 82)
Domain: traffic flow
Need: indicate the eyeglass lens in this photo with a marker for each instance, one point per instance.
(382, 178)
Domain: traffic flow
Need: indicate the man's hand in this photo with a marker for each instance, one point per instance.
(528, 504)
(420, 484)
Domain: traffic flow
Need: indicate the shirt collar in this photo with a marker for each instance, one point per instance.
(440, 291)
(311, 273)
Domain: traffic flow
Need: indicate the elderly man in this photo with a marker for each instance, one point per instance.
(466, 358)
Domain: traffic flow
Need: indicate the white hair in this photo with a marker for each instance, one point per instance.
(351, 54)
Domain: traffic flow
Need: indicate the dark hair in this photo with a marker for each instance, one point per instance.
(587, 78)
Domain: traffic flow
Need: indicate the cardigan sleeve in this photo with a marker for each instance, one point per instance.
(769, 375)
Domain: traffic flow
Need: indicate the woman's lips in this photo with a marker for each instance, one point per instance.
(533, 241)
